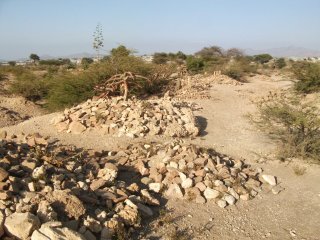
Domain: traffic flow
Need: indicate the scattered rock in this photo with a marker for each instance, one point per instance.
(277, 189)
(271, 180)
(97, 183)
(211, 193)
(75, 127)
(108, 173)
(174, 191)
(63, 201)
(55, 231)
(3, 174)
(93, 224)
(45, 212)
(222, 203)
(230, 199)
(156, 187)
(200, 199)
(3, 134)
(130, 216)
(187, 183)
(146, 196)
(2, 218)
(39, 173)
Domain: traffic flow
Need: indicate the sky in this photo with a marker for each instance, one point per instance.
(63, 27)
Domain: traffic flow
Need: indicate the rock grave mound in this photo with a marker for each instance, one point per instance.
(132, 118)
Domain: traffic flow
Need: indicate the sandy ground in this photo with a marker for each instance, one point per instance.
(292, 214)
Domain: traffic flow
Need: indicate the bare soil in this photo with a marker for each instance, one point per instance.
(294, 213)
(15, 109)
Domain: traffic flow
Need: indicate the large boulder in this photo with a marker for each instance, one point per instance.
(21, 225)
(64, 202)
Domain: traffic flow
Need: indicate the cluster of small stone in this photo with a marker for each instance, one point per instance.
(132, 118)
(188, 172)
(59, 193)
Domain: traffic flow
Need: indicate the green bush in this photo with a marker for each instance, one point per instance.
(70, 89)
(308, 75)
(3, 76)
(85, 62)
(55, 62)
(195, 64)
(120, 51)
(295, 123)
(30, 86)
(262, 58)
(280, 63)
(235, 73)
(239, 68)
(163, 58)
(160, 58)
(3, 73)
(12, 63)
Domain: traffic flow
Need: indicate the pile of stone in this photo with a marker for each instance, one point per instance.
(188, 172)
(48, 191)
(198, 86)
(132, 118)
(60, 192)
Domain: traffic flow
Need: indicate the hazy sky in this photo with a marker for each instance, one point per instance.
(62, 27)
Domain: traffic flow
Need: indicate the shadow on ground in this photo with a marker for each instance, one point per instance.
(202, 124)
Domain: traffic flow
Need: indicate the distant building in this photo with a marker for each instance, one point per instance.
(18, 63)
(76, 61)
(308, 59)
(147, 58)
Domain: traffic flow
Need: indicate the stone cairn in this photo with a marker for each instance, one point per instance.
(49, 191)
(132, 118)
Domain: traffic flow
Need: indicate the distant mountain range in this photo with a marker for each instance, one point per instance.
(286, 52)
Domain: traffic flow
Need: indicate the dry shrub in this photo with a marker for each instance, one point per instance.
(294, 122)
(299, 170)
(308, 75)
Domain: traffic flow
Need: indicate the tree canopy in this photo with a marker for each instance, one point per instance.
(34, 57)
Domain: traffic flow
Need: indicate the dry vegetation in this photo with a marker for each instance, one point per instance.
(292, 119)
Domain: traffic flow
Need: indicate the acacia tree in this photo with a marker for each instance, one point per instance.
(98, 39)
(210, 52)
(234, 52)
(34, 57)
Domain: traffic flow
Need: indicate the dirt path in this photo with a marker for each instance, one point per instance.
(224, 118)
